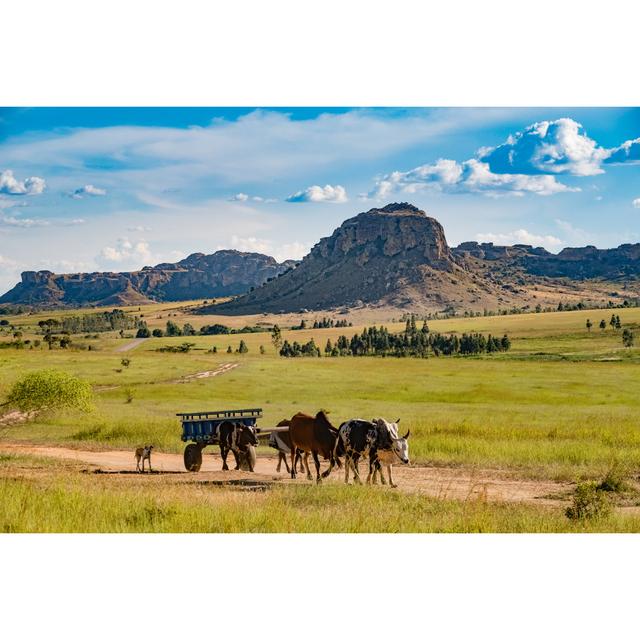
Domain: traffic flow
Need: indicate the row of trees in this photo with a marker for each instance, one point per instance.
(614, 323)
(91, 323)
(378, 341)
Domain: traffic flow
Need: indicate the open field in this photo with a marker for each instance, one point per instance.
(561, 406)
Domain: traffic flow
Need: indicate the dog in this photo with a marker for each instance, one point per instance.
(142, 454)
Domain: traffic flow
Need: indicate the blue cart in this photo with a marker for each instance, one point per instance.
(202, 428)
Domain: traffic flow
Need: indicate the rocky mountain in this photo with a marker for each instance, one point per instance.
(397, 256)
(390, 257)
(223, 273)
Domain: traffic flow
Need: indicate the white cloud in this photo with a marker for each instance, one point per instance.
(628, 151)
(87, 190)
(289, 251)
(471, 176)
(636, 203)
(520, 236)
(125, 251)
(548, 147)
(243, 197)
(29, 186)
(315, 193)
(7, 265)
(12, 221)
(574, 235)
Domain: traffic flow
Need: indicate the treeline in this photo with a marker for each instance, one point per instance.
(91, 323)
(324, 323)
(173, 330)
(412, 342)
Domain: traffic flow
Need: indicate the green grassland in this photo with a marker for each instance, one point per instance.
(54, 497)
(563, 403)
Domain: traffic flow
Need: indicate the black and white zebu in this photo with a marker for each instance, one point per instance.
(379, 441)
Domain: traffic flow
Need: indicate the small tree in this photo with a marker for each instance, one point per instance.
(618, 323)
(173, 329)
(603, 324)
(50, 389)
(589, 325)
(143, 331)
(157, 333)
(188, 330)
(276, 337)
(229, 349)
(125, 362)
(262, 349)
(627, 338)
(243, 347)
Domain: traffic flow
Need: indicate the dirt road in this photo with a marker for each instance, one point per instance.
(130, 345)
(452, 483)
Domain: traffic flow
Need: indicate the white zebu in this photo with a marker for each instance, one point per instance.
(387, 456)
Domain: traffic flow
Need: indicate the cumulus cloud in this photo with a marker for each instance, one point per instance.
(471, 176)
(87, 190)
(636, 203)
(288, 251)
(520, 236)
(548, 147)
(315, 193)
(628, 151)
(13, 187)
(125, 251)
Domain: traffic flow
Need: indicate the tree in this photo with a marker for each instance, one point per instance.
(618, 323)
(261, 349)
(276, 337)
(612, 322)
(157, 333)
(188, 330)
(603, 324)
(229, 349)
(50, 389)
(125, 362)
(627, 338)
(589, 325)
(242, 348)
(173, 329)
(143, 331)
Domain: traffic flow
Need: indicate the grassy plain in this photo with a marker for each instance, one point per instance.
(562, 404)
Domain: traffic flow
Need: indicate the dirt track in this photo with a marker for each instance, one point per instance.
(453, 483)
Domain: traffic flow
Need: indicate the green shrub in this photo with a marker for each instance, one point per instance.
(614, 481)
(50, 389)
(589, 503)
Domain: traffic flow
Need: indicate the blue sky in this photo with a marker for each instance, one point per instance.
(115, 189)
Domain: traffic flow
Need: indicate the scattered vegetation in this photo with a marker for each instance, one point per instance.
(590, 502)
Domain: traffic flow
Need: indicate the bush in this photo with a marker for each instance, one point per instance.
(157, 333)
(614, 481)
(589, 503)
(51, 389)
(143, 332)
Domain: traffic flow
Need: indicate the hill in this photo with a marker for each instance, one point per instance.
(397, 256)
(223, 273)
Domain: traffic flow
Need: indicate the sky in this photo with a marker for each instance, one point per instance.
(115, 189)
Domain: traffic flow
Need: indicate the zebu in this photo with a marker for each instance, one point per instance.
(239, 439)
(281, 441)
(377, 439)
(314, 435)
(398, 451)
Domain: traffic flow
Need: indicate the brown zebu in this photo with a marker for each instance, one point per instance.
(237, 438)
(281, 442)
(313, 435)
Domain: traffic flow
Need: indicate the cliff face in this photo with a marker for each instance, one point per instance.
(395, 254)
(223, 273)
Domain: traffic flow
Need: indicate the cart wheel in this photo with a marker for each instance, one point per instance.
(193, 457)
